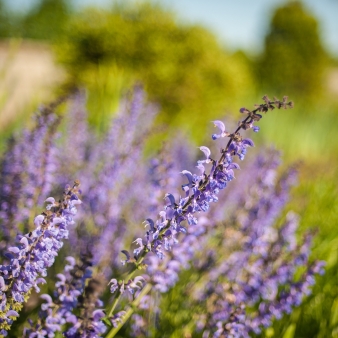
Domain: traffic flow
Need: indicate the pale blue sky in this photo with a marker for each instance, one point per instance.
(238, 23)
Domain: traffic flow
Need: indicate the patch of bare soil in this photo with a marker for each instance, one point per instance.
(28, 76)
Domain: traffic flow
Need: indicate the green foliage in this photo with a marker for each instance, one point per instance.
(46, 20)
(183, 67)
(294, 59)
(6, 21)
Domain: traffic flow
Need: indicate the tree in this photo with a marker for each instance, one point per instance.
(294, 59)
(183, 67)
(6, 24)
(46, 20)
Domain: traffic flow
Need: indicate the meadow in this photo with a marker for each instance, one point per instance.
(211, 244)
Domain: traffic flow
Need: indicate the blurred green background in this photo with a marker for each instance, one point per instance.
(52, 46)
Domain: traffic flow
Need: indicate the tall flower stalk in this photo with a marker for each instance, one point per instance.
(27, 169)
(34, 254)
(200, 191)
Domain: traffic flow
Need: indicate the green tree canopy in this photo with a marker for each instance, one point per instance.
(6, 24)
(183, 67)
(294, 59)
(45, 21)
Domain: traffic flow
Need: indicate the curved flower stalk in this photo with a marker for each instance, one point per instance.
(164, 274)
(34, 254)
(27, 170)
(200, 191)
(251, 263)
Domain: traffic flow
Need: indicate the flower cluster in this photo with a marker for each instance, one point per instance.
(245, 281)
(261, 265)
(254, 264)
(200, 190)
(21, 190)
(35, 253)
(110, 184)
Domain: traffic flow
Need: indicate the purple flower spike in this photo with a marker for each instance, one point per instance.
(35, 253)
(58, 311)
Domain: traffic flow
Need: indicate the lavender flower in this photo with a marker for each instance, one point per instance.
(265, 261)
(247, 279)
(70, 292)
(111, 185)
(200, 191)
(35, 253)
(21, 190)
(89, 324)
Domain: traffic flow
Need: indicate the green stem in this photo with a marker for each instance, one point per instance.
(129, 311)
(131, 274)
(116, 301)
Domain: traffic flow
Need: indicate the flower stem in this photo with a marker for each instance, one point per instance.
(129, 311)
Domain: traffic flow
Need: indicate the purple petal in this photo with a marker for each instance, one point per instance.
(72, 319)
(57, 220)
(171, 198)
(170, 213)
(2, 284)
(206, 151)
(98, 314)
(38, 220)
(201, 167)
(47, 298)
(12, 313)
(139, 241)
(14, 249)
(243, 110)
(50, 200)
(248, 142)
(24, 241)
(71, 260)
(75, 202)
(188, 175)
(139, 279)
(233, 166)
(61, 276)
(151, 224)
(220, 125)
(125, 252)
(41, 281)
